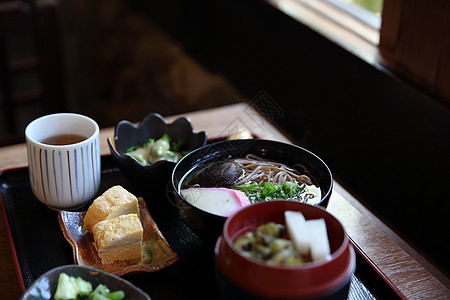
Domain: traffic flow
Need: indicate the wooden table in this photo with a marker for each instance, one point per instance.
(407, 271)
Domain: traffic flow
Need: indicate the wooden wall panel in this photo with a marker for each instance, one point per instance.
(416, 36)
(443, 75)
(421, 31)
(391, 13)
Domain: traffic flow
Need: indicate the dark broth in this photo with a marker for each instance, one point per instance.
(190, 179)
(63, 139)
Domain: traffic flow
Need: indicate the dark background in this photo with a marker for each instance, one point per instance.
(384, 139)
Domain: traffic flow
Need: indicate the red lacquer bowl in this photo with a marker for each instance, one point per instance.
(310, 280)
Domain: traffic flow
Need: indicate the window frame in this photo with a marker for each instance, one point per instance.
(397, 46)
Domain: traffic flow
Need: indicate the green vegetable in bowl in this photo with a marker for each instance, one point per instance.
(267, 243)
(70, 287)
(153, 150)
(269, 191)
(75, 288)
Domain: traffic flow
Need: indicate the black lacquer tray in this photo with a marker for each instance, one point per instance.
(38, 245)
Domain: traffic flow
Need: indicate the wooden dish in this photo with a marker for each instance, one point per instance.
(157, 253)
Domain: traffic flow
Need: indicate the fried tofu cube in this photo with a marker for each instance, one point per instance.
(114, 202)
(119, 238)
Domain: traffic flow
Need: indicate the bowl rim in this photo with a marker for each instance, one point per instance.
(151, 116)
(317, 279)
(307, 265)
(177, 189)
(88, 269)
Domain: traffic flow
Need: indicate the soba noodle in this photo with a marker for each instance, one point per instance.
(260, 179)
(258, 170)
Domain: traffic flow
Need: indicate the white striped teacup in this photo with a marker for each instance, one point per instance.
(63, 159)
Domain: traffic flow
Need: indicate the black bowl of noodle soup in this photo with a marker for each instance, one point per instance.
(214, 181)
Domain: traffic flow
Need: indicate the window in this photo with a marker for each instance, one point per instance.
(411, 38)
(340, 22)
(374, 6)
(366, 11)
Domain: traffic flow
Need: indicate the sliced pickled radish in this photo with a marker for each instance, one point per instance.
(320, 246)
(298, 232)
(310, 237)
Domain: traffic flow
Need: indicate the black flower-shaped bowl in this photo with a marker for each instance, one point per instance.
(45, 286)
(155, 177)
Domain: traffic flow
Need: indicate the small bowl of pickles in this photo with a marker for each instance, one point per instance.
(81, 282)
(147, 152)
(283, 249)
